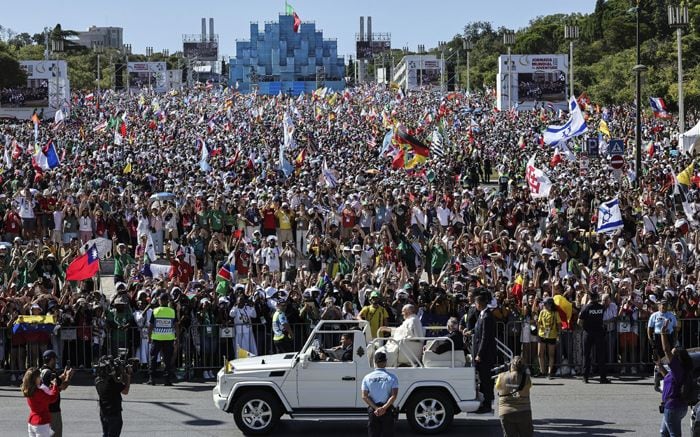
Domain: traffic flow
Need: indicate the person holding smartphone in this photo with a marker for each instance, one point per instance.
(49, 374)
(39, 397)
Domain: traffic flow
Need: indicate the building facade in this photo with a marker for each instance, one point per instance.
(109, 37)
(281, 60)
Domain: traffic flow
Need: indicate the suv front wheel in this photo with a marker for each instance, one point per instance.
(430, 413)
(256, 413)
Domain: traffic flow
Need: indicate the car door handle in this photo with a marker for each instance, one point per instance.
(348, 378)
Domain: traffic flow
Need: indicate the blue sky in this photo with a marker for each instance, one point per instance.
(161, 23)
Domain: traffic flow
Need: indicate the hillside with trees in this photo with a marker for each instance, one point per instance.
(605, 52)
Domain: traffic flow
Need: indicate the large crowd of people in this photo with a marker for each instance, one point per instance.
(232, 203)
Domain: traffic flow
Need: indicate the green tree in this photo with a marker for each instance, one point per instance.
(12, 75)
(21, 39)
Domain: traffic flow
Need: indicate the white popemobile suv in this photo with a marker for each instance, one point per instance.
(432, 388)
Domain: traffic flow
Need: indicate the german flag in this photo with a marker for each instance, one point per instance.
(417, 146)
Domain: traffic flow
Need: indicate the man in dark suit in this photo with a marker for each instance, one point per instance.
(454, 334)
(484, 351)
(339, 353)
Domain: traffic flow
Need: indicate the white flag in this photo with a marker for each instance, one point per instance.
(8, 158)
(204, 158)
(288, 132)
(609, 217)
(572, 128)
(539, 183)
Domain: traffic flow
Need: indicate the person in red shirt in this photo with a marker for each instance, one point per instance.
(39, 397)
(13, 225)
(180, 270)
(349, 219)
(269, 226)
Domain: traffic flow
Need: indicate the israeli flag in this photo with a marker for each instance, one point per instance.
(572, 128)
(331, 180)
(609, 217)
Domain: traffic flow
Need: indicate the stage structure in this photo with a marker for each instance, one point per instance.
(532, 80)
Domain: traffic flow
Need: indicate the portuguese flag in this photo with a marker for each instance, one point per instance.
(289, 10)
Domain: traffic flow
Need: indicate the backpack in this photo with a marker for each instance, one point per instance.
(689, 390)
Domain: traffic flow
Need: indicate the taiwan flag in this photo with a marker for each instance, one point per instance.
(85, 266)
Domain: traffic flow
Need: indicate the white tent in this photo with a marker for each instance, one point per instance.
(690, 140)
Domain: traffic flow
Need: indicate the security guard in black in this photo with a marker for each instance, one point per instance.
(591, 320)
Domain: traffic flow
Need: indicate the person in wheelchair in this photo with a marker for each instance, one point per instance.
(454, 334)
(342, 352)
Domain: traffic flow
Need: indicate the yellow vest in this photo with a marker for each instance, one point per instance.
(164, 324)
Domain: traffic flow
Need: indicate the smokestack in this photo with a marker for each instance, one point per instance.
(369, 28)
(362, 28)
(204, 29)
(211, 29)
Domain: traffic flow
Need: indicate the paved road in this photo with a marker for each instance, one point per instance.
(562, 407)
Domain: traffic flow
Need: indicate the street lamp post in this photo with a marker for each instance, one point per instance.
(149, 53)
(127, 52)
(509, 41)
(638, 70)
(467, 45)
(678, 18)
(571, 33)
(98, 48)
(442, 45)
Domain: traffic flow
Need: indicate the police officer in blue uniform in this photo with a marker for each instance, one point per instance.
(591, 320)
(379, 391)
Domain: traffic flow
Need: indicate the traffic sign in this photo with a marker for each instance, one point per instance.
(592, 147)
(616, 147)
(617, 161)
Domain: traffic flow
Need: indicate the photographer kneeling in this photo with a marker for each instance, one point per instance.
(514, 408)
(112, 381)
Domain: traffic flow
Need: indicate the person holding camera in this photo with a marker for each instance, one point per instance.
(39, 398)
(674, 405)
(111, 383)
(49, 374)
(514, 408)
(660, 319)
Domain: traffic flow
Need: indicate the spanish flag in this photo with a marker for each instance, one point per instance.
(299, 160)
(517, 290)
(603, 128)
(685, 176)
(564, 309)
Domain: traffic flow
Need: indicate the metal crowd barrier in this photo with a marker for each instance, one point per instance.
(628, 348)
(200, 348)
(197, 348)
